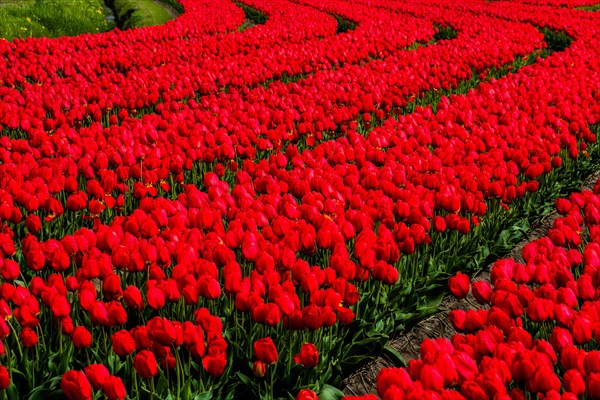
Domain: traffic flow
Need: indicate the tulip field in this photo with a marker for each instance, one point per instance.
(540, 333)
(247, 201)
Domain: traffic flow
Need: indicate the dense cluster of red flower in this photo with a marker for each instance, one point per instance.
(537, 332)
(156, 183)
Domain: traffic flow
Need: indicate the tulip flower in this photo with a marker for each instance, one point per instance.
(459, 285)
(306, 394)
(75, 385)
(145, 364)
(265, 351)
(82, 338)
(123, 343)
(96, 374)
(4, 377)
(114, 389)
(308, 356)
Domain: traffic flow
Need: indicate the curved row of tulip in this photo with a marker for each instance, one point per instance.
(273, 217)
(193, 66)
(263, 119)
(536, 332)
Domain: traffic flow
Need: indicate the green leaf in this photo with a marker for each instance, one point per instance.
(186, 393)
(204, 396)
(378, 328)
(162, 385)
(12, 392)
(394, 356)
(64, 362)
(430, 306)
(401, 317)
(374, 337)
(357, 360)
(330, 393)
(245, 379)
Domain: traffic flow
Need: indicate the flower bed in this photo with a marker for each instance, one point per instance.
(537, 329)
(258, 211)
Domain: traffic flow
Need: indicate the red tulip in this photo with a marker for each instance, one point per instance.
(82, 338)
(145, 364)
(307, 394)
(162, 331)
(96, 374)
(573, 382)
(123, 343)
(133, 298)
(76, 386)
(543, 380)
(538, 310)
(312, 316)
(215, 364)
(4, 378)
(582, 330)
(60, 306)
(473, 391)
(114, 389)
(308, 356)
(9, 269)
(116, 314)
(431, 378)
(265, 351)
(592, 385)
(28, 337)
(459, 285)
(482, 291)
(259, 369)
(33, 223)
(155, 298)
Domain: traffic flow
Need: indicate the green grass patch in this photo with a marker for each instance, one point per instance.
(139, 13)
(51, 18)
(592, 8)
(174, 4)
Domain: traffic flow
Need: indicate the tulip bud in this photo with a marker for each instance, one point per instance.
(259, 369)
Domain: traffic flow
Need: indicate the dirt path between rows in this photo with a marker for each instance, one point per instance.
(408, 342)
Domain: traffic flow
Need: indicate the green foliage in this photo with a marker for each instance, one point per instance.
(252, 14)
(174, 4)
(592, 8)
(444, 33)
(51, 18)
(344, 25)
(139, 13)
(557, 40)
